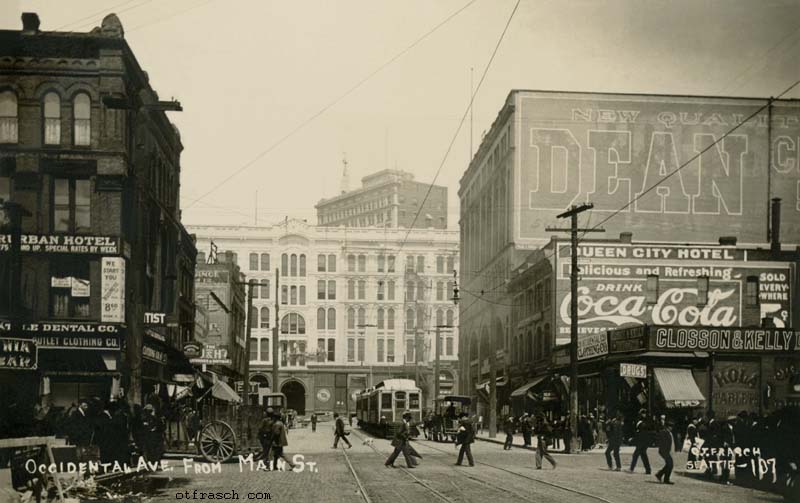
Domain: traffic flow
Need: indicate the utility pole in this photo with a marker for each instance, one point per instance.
(275, 346)
(247, 342)
(573, 213)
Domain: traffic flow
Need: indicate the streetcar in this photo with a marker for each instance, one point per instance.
(451, 407)
(380, 409)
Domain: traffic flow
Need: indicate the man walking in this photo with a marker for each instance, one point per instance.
(642, 442)
(664, 443)
(313, 421)
(614, 433)
(338, 432)
(525, 427)
(508, 428)
(265, 435)
(543, 433)
(400, 443)
(464, 438)
(279, 441)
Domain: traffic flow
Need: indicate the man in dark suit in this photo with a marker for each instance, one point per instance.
(338, 432)
(265, 434)
(642, 442)
(81, 425)
(543, 433)
(279, 441)
(314, 421)
(464, 438)
(614, 432)
(664, 443)
(400, 443)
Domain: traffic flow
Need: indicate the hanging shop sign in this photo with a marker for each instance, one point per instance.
(633, 370)
(192, 349)
(81, 287)
(592, 345)
(724, 339)
(155, 319)
(212, 355)
(18, 354)
(154, 354)
(112, 288)
(625, 340)
(92, 245)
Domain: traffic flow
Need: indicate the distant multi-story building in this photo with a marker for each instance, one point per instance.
(102, 286)
(388, 198)
(356, 306)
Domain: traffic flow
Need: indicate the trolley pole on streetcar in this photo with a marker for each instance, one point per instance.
(573, 213)
(275, 332)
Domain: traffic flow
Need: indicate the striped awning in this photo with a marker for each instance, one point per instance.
(679, 388)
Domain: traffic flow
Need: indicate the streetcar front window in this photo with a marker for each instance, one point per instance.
(400, 401)
(413, 399)
(386, 401)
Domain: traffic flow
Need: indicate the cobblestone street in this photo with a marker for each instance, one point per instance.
(499, 476)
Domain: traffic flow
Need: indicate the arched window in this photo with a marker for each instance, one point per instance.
(410, 319)
(264, 317)
(265, 261)
(321, 263)
(302, 265)
(421, 319)
(253, 317)
(292, 324)
(450, 317)
(8, 117)
(351, 289)
(321, 319)
(351, 318)
(381, 320)
(284, 264)
(52, 119)
(362, 317)
(331, 319)
(254, 261)
(390, 319)
(293, 295)
(362, 289)
(293, 265)
(82, 115)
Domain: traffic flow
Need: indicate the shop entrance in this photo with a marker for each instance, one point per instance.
(295, 396)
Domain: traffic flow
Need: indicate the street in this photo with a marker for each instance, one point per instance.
(499, 476)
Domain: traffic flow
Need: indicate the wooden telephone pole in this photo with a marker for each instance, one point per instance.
(573, 213)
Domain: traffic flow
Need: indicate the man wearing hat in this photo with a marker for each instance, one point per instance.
(265, 434)
(400, 443)
(525, 427)
(465, 437)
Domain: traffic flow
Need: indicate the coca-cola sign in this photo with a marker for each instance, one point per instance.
(616, 304)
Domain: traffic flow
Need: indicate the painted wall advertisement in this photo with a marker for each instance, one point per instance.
(609, 149)
(614, 294)
(112, 288)
(735, 387)
(212, 291)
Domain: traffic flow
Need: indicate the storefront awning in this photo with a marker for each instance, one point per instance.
(522, 390)
(222, 391)
(679, 387)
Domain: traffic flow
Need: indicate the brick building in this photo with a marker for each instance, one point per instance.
(388, 198)
(104, 283)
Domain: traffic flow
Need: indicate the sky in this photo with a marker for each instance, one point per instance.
(287, 89)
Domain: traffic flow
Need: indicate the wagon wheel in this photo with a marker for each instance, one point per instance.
(217, 441)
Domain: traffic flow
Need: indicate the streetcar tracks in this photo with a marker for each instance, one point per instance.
(361, 489)
(551, 484)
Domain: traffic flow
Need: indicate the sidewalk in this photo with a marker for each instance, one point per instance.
(501, 437)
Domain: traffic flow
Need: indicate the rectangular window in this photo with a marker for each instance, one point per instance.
(71, 202)
(451, 264)
(254, 261)
(440, 264)
(380, 350)
(320, 350)
(284, 353)
(265, 261)
(284, 294)
(702, 290)
(302, 296)
(381, 263)
(321, 261)
(331, 290)
(449, 347)
(351, 263)
(321, 286)
(264, 353)
(390, 291)
(331, 350)
(331, 263)
(255, 287)
(751, 293)
(362, 289)
(351, 350)
(390, 264)
(293, 295)
(386, 400)
(390, 350)
(400, 400)
(253, 348)
(362, 263)
(652, 289)
(351, 290)
(361, 344)
(420, 264)
(380, 290)
(410, 350)
(70, 288)
(264, 288)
